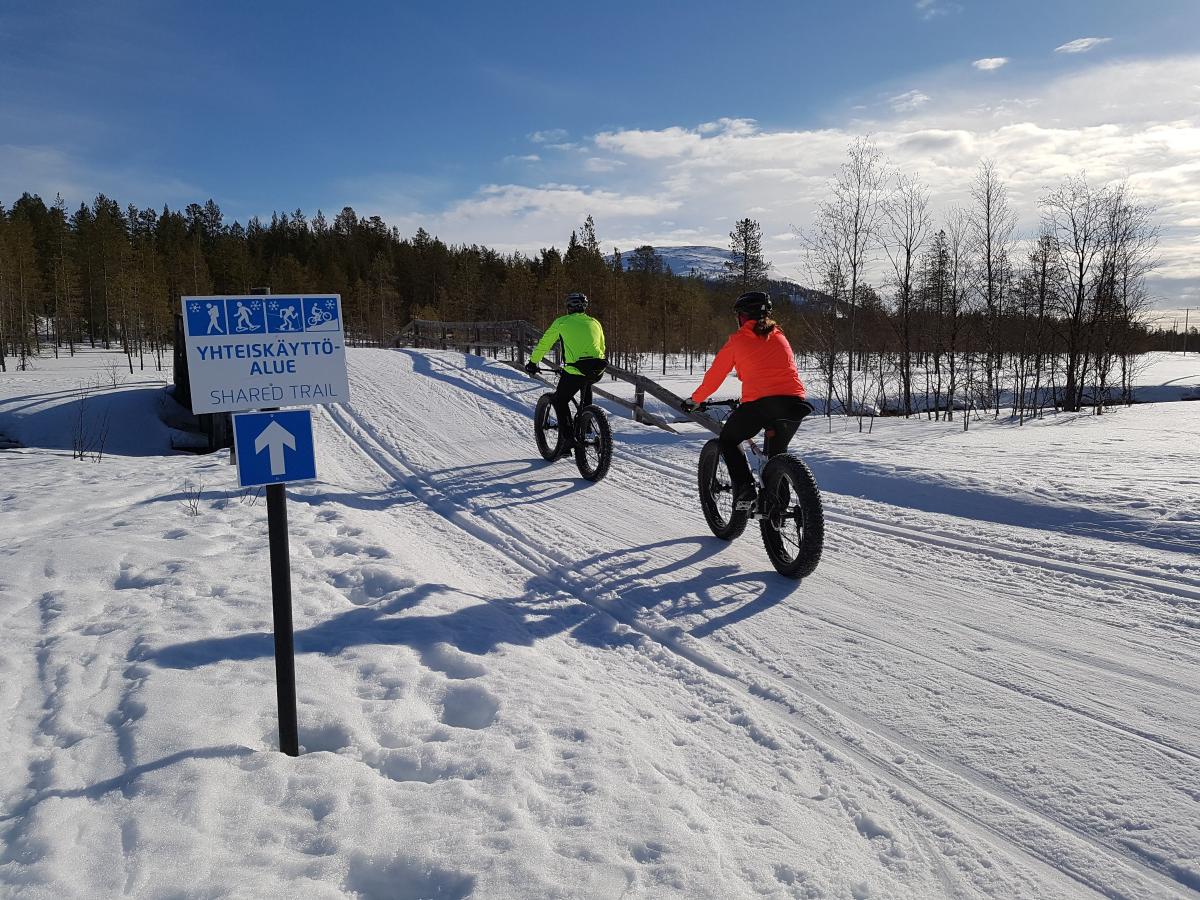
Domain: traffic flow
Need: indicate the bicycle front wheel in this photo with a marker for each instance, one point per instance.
(793, 523)
(716, 494)
(545, 428)
(593, 443)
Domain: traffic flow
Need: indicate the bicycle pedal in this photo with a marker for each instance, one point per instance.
(744, 506)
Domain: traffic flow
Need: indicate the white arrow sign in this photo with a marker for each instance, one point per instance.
(274, 438)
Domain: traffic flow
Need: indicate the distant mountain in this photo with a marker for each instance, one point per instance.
(709, 263)
(706, 262)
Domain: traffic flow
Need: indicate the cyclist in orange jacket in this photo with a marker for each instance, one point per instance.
(772, 393)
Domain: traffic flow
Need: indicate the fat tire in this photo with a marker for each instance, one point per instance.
(712, 464)
(589, 418)
(804, 518)
(541, 415)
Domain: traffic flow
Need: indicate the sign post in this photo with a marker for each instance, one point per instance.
(261, 353)
(262, 441)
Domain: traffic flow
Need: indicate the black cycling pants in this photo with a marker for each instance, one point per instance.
(568, 386)
(780, 415)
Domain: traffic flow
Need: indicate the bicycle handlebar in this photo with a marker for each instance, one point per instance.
(708, 404)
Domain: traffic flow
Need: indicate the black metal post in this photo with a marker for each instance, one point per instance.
(281, 602)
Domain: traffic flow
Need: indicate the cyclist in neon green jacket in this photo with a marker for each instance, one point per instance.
(583, 358)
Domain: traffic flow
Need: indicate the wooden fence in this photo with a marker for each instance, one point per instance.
(511, 342)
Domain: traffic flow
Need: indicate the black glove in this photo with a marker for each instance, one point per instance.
(531, 368)
(688, 405)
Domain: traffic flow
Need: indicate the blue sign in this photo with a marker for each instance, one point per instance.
(265, 351)
(274, 447)
(321, 314)
(247, 316)
(285, 316)
(206, 316)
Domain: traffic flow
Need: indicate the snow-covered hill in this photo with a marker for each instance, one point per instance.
(704, 262)
(516, 684)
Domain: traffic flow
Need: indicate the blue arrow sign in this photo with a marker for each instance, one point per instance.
(274, 447)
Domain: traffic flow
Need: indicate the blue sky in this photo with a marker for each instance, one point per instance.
(506, 124)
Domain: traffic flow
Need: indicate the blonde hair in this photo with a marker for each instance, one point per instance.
(764, 326)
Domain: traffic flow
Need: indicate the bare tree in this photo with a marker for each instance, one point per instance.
(905, 232)
(993, 225)
(1131, 253)
(848, 223)
(1075, 216)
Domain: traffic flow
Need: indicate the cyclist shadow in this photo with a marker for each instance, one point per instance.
(500, 485)
(641, 579)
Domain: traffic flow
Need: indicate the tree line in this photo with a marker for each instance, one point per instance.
(969, 313)
(111, 276)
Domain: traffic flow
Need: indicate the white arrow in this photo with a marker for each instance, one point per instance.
(274, 438)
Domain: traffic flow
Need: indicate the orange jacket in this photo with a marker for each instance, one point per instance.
(765, 365)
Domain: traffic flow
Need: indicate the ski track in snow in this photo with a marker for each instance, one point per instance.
(1021, 828)
(988, 710)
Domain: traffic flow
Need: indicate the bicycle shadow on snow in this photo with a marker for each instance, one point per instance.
(640, 579)
(499, 485)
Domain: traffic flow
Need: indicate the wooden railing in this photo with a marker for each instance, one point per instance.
(515, 339)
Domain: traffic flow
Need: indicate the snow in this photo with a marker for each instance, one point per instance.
(513, 683)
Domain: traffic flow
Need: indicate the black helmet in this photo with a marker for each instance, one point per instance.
(753, 305)
(576, 302)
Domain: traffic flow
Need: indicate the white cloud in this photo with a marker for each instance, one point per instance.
(550, 135)
(931, 9)
(908, 101)
(527, 158)
(602, 164)
(990, 63)
(1131, 119)
(1081, 45)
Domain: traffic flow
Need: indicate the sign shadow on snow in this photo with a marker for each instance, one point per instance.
(126, 779)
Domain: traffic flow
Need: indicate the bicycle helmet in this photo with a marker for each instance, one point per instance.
(753, 305)
(576, 302)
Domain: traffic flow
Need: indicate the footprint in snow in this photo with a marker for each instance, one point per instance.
(469, 706)
(404, 878)
(451, 662)
(647, 852)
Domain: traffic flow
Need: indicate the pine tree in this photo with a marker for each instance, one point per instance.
(748, 267)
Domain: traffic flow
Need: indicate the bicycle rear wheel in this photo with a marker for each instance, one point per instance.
(716, 494)
(793, 524)
(545, 428)
(593, 443)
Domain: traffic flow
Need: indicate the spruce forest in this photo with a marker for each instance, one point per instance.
(902, 313)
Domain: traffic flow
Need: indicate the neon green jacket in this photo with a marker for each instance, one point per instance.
(582, 337)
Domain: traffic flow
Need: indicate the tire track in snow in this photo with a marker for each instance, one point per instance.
(579, 587)
(952, 542)
(1077, 855)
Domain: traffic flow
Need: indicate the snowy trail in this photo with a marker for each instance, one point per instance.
(514, 683)
(1082, 852)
